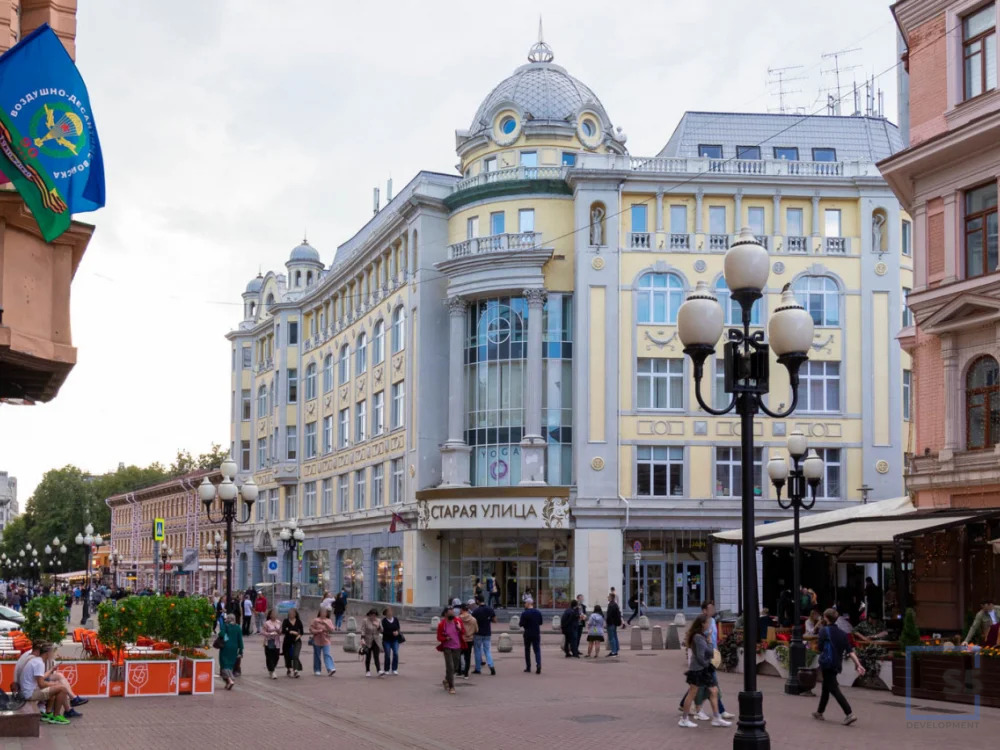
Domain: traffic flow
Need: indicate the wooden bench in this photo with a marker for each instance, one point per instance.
(23, 722)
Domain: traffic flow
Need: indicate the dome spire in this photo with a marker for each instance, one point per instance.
(540, 52)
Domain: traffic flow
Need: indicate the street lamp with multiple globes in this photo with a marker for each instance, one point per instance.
(746, 357)
(227, 492)
(806, 469)
(88, 538)
(115, 559)
(292, 536)
(216, 551)
(165, 554)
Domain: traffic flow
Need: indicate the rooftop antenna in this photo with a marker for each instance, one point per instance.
(375, 200)
(388, 191)
(782, 78)
(833, 106)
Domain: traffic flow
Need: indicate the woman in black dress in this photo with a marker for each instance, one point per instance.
(291, 643)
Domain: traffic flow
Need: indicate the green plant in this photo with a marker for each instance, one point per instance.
(188, 621)
(729, 649)
(45, 619)
(869, 628)
(910, 636)
(783, 654)
(871, 656)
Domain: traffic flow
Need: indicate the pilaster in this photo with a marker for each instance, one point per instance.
(455, 452)
(533, 444)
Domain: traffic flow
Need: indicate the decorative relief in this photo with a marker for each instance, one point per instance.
(311, 408)
(820, 429)
(778, 429)
(660, 343)
(881, 269)
(597, 263)
(535, 297)
(345, 391)
(378, 374)
(701, 427)
(456, 305)
(732, 429)
(700, 266)
(360, 385)
(261, 427)
(659, 427)
(327, 401)
(778, 267)
(824, 345)
(597, 463)
(397, 364)
(882, 466)
(413, 470)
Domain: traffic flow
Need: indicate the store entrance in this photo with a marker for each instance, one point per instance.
(652, 580)
(690, 584)
(515, 580)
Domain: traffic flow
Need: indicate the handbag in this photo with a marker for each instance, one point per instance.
(716, 658)
(310, 641)
(401, 638)
(219, 642)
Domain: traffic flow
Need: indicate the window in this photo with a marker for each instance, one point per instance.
(472, 227)
(720, 399)
(291, 443)
(497, 223)
(246, 356)
(748, 152)
(658, 297)
(679, 219)
(260, 513)
(588, 128)
(309, 500)
(529, 160)
(344, 365)
(396, 467)
(982, 403)
(343, 504)
(398, 329)
(360, 421)
(790, 153)
(755, 220)
(293, 385)
(398, 404)
(907, 393)
(731, 308)
(378, 485)
(261, 401)
(328, 433)
(261, 453)
(659, 471)
(907, 238)
(821, 297)
(819, 386)
(508, 125)
(831, 222)
(342, 428)
(361, 354)
(490, 164)
(293, 332)
(378, 343)
(638, 217)
(275, 450)
(378, 413)
(245, 404)
(310, 381)
(291, 502)
(327, 373)
(729, 472)
(244, 455)
(907, 315)
(568, 159)
(830, 485)
(717, 219)
(660, 383)
(979, 51)
(359, 489)
(794, 225)
(310, 447)
(824, 154)
(327, 497)
(710, 152)
(272, 505)
(981, 230)
(526, 220)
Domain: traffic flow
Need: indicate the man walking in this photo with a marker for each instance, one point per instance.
(259, 611)
(581, 622)
(531, 623)
(613, 620)
(567, 624)
(485, 616)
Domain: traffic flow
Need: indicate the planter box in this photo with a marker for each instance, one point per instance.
(935, 676)
(199, 674)
(89, 678)
(145, 677)
(7, 674)
(769, 664)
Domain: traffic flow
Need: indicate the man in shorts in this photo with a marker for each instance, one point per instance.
(31, 675)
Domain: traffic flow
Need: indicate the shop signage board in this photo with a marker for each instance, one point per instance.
(501, 513)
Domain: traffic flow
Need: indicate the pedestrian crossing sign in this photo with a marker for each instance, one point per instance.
(157, 529)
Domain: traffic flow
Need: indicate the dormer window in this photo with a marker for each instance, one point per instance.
(710, 151)
(824, 154)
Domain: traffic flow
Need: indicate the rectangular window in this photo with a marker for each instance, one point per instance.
(824, 154)
(396, 467)
(907, 393)
(343, 502)
(638, 217)
(471, 227)
(497, 223)
(729, 472)
(328, 433)
(568, 159)
(343, 434)
(526, 220)
(291, 502)
(359, 489)
(398, 404)
(981, 230)
(291, 443)
(755, 220)
(293, 332)
(246, 356)
(819, 386)
(245, 404)
(907, 238)
(378, 485)
(293, 385)
(794, 225)
(274, 445)
(907, 315)
(659, 471)
(360, 421)
(490, 164)
(830, 487)
(272, 505)
(310, 382)
(708, 151)
(679, 219)
(979, 52)
(327, 497)
(660, 383)
(310, 446)
(378, 413)
(717, 220)
(245, 455)
(748, 152)
(529, 160)
(790, 153)
(720, 399)
(831, 222)
(261, 453)
(309, 500)
(260, 513)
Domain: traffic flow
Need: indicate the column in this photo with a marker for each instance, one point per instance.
(455, 452)
(738, 218)
(815, 218)
(952, 396)
(533, 444)
(698, 200)
(951, 252)
(776, 213)
(659, 209)
(392, 263)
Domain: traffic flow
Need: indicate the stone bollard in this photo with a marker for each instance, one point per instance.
(673, 638)
(657, 638)
(644, 622)
(680, 620)
(515, 623)
(435, 621)
(505, 644)
(351, 643)
(352, 625)
(636, 644)
(556, 624)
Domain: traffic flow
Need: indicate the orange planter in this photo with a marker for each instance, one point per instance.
(91, 679)
(145, 677)
(185, 686)
(7, 674)
(117, 688)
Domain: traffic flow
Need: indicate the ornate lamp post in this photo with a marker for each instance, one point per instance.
(747, 358)
(291, 536)
(227, 492)
(806, 469)
(216, 550)
(165, 554)
(88, 538)
(115, 559)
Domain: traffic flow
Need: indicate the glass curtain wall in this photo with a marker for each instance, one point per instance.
(557, 389)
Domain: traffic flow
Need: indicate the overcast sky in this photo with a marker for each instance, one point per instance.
(229, 128)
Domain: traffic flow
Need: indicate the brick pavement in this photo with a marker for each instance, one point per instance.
(628, 702)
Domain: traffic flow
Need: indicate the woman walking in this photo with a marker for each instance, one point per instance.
(451, 636)
(391, 638)
(272, 635)
(371, 641)
(701, 673)
(291, 644)
(635, 603)
(471, 627)
(833, 645)
(595, 632)
(339, 607)
(319, 632)
(231, 651)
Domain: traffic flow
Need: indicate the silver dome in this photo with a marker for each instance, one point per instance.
(305, 252)
(255, 285)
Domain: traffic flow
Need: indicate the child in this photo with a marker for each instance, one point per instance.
(595, 631)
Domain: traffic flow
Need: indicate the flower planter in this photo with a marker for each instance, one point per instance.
(769, 664)
(7, 674)
(87, 677)
(145, 677)
(117, 688)
(199, 675)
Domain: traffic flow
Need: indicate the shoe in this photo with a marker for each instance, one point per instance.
(465, 676)
(818, 716)
(702, 716)
(58, 719)
(73, 714)
(451, 691)
(318, 674)
(79, 701)
(229, 685)
(476, 671)
(295, 674)
(331, 673)
(492, 671)
(528, 669)
(381, 674)
(538, 670)
(395, 671)
(718, 721)
(368, 674)
(288, 673)
(850, 719)
(273, 676)
(687, 723)
(45, 718)
(727, 716)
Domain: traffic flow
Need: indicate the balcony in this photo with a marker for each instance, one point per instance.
(762, 240)
(495, 243)
(680, 241)
(835, 245)
(639, 241)
(509, 174)
(796, 244)
(718, 242)
(742, 167)
(961, 469)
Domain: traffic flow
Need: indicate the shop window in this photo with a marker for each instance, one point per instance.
(388, 562)
(352, 572)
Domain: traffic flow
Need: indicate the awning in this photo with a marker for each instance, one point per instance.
(71, 576)
(873, 533)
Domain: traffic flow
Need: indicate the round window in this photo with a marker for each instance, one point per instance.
(508, 125)
(588, 128)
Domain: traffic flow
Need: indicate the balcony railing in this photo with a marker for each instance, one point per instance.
(835, 245)
(680, 241)
(638, 241)
(718, 242)
(696, 165)
(796, 244)
(510, 173)
(762, 239)
(496, 243)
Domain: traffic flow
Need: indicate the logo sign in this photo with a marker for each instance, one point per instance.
(272, 566)
(158, 530)
(637, 546)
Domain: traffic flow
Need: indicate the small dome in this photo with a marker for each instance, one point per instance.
(255, 285)
(305, 252)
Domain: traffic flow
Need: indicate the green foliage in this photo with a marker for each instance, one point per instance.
(184, 463)
(871, 656)
(910, 635)
(729, 649)
(869, 627)
(783, 654)
(185, 622)
(45, 619)
(190, 621)
(111, 627)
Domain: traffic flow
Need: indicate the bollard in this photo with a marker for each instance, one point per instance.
(352, 625)
(435, 621)
(505, 644)
(556, 624)
(636, 644)
(673, 638)
(657, 638)
(680, 620)
(515, 623)
(644, 622)
(351, 643)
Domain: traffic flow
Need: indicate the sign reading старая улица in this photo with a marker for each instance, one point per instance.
(528, 513)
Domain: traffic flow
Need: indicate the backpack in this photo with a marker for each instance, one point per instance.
(10, 701)
(828, 656)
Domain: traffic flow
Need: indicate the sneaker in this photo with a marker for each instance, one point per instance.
(465, 676)
(818, 716)
(395, 671)
(850, 719)
(476, 671)
(492, 671)
(728, 716)
(687, 723)
(718, 721)
(274, 676)
(702, 716)
(368, 674)
(79, 701)
(331, 673)
(382, 674)
(46, 718)
(58, 719)
(318, 674)
(73, 714)
(295, 674)
(451, 691)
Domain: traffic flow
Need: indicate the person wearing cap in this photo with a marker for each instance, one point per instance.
(531, 625)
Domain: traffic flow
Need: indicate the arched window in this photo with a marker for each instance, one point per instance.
(261, 401)
(253, 308)
(982, 403)
(309, 278)
(659, 296)
(731, 308)
(269, 303)
(328, 373)
(361, 350)
(378, 343)
(310, 381)
(398, 329)
(298, 278)
(821, 297)
(345, 364)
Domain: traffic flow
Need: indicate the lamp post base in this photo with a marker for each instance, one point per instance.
(796, 661)
(750, 731)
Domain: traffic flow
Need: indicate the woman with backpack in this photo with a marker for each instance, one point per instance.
(833, 645)
(701, 673)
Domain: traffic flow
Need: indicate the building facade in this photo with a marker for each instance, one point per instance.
(8, 497)
(947, 179)
(534, 421)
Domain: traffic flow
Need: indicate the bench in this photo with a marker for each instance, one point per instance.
(23, 722)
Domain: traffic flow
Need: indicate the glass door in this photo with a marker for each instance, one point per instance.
(654, 584)
(690, 584)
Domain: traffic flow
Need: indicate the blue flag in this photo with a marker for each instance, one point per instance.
(48, 140)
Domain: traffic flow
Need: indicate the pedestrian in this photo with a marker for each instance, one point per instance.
(272, 634)
(339, 607)
(371, 642)
(456, 605)
(392, 636)
(327, 602)
(450, 636)
(291, 643)
(259, 611)
(567, 624)
(712, 636)
(700, 674)
(635, 604)
(531, 627)
(595, 631)
(247, 614)
(485, 617)
(581, 621)
(833, 645)
(613, 621)
(477, 589)
(470, 626)
(231, 651)
(319, 635)
(494, 591)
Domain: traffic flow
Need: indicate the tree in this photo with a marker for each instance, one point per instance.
(185, 464)
(910, 635)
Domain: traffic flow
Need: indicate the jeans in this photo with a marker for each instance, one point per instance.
(613, 639)
(338, 620)
(259, 618)
(830, 687)
(533, 643)
(246, 624)
(391, 649)
(635, 613)
(323, 651)
(452, 662)
(292, 652)
(481, 645)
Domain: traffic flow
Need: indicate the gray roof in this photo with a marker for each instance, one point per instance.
(305, 251)
(255, 285)
(856, 138)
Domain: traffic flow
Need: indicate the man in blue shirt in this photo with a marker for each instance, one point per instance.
(485, 616)
(531, 624)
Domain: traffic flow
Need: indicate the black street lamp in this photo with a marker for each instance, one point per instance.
(216, 551)
(87, 538)
(165, 554)
(291, 536)
(746, 356)
(115, 559)
(227, 492)
(806, 469)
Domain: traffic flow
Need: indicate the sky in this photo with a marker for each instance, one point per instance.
(232, 128)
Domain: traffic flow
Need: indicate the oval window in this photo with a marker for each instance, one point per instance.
(508, 125)
(588, 128)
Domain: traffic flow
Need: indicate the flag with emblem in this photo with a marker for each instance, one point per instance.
(48, 140)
